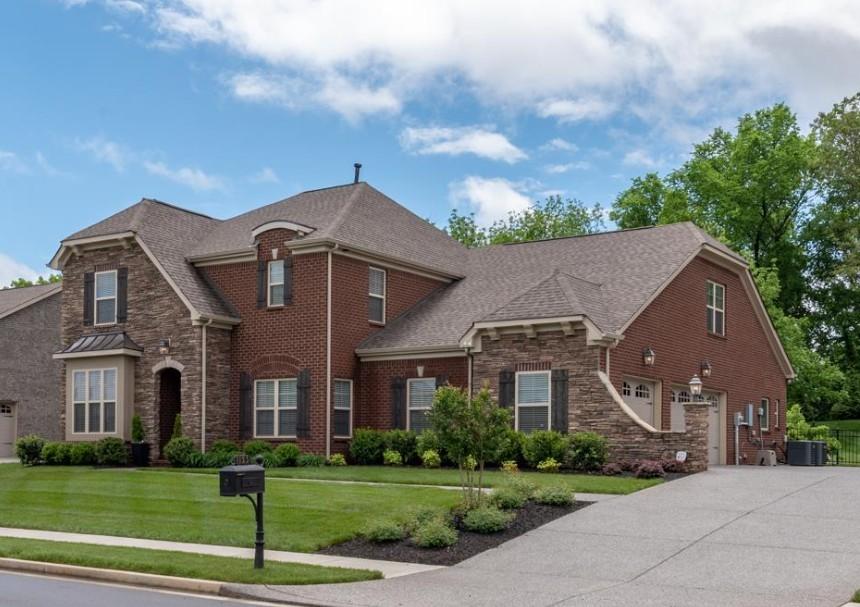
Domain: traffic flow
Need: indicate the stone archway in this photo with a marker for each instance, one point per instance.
(169, 403)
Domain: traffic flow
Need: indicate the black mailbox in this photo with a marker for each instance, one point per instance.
(242, 480)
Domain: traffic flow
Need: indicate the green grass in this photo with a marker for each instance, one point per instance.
(582, 483)
(856, 598)
(300, 517)
(179, 564)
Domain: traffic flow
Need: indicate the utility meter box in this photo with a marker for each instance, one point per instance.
(242, 480)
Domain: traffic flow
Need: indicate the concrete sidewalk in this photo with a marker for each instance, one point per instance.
(751, 537)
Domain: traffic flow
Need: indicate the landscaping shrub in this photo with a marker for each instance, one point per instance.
(218, 459)
(486, 519)
(673, 465)
(511, 448)
(522, 486)
(402, 441)
(177, 426)
(310, 460)
(195, 459)
(612, 469)
(557, 495)
(381, 532)
(29, 449)
(111, 451)
(428, 441)
(83, 454)
(586, 452)
(256, 447)
(431, 459)
(542, 445)
(392, 458)
(57, 454)
(434, 533)
(137, 433)
(549, 465)
(422, 516)
(222, 445)
(649, 469)
(367, 446)
(510, 467)
(337, 459)
(178, 450)
(270, 460)
(507, 498)
(287, 454)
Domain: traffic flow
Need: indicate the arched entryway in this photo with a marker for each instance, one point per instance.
(169, 403)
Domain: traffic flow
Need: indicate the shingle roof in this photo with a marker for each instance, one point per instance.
(100, 342)
(607, 276)
(12, 300)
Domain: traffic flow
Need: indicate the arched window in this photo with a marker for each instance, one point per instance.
(643, 391)
(683, 397)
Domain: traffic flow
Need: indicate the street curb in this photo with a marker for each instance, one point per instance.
(131, 578)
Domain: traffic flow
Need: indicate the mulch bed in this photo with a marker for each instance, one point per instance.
(529, 517)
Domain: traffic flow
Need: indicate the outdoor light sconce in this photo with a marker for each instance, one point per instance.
(706, 368)
(164, 347)
(648, 357)
(420, 369)
(696, 387)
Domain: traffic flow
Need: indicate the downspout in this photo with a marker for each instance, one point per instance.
(469, 371)
(203, 388)
(328, 358)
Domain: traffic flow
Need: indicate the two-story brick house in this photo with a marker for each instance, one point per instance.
(338, 308)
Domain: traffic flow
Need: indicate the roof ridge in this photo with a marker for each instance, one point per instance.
(589, 235)
(580, 279)
(341, 214)
(522, 292)
(178, 208)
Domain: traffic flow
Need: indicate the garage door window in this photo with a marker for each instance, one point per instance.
(94, 404)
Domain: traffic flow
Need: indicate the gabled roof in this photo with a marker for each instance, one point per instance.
(607, 277)
(14, 300)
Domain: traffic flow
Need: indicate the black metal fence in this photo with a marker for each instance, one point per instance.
(844, 447)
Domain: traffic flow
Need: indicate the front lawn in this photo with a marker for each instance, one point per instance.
(179, 564)
(580, 483)
(301, 517)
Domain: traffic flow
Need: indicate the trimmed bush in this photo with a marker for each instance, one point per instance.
(507, 498)
(404, 442)
(270, 460)
(434, 533)
(391, 457)
(512, 447)
(542, 445)
(336, 459)
(431, 459)
(137, 433)
(177, 426)
(367, 446)
(586, 452)
(549, 465)
(428, 441)
(29, 449)
(422, 515)
(310, 460)
(557, 495)
(256, 447)
(673, 465)
(82, 454)
(57, 454)
(382, 532)
(648, 468)
(510, 467)
(218, 459)
(611, 469)
(522, 486)
(487, 519)
(178, 450)
(287, 454)
(222, 445)
(196, 459)
(111, 451)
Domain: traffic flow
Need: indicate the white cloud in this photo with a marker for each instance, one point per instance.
(455, 141)
(191, 177)
(490, 198)
(640, 157)
(574, 110)
(104, 150)
(265, 175)
(11, 269)
(559, 145)
(9, 161)
(129, 6)
(557, 169)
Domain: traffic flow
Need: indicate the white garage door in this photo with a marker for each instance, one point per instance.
(639, 396)
(7, 430)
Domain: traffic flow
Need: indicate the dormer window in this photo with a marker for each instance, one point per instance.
(716, 308)
(276, 283)
(106, 296)
(376, 302)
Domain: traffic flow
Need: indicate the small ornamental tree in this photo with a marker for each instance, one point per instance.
(138, 435)
(471, 431)
(177, 426)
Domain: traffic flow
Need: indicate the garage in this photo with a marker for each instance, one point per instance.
(7, 429)
(639, 396)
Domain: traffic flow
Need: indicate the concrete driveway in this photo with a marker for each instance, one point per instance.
(730, 536)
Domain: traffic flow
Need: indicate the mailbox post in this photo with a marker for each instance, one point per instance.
(243, 481)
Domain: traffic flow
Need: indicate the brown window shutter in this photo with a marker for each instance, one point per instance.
(262, 283)
(288, 280)
(122, 295)
(398, 403)
(507, 385)
(560, 422)
(246, 406)
(303, 405)
(89, 297)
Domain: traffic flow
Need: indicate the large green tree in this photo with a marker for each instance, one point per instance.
(41, 280)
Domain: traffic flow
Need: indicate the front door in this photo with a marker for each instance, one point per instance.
(7, 430)
(714, 429)
(639, 396)
(169, 404)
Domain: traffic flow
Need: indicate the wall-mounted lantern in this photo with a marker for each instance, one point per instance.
(706, 368)
(164, 347)
(696, 387)
(648, 357)
(420, 370)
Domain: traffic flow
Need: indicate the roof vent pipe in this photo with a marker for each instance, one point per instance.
(357, 166)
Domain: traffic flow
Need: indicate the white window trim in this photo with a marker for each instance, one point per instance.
(776, 414)
(384, 295)
(409, 407)
(713, 309)
(517, 404)
(275, 407)
(86, 402)
(97, 299)
(270, 284)
(764, 403)
(351, 394)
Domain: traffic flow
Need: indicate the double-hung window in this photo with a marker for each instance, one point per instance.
(276, 283)
(419, 401)
(342, 408)
(533, 401)
(105, 299)
(765, 414)
(716, 308)
(275, 408)
(94, 401)
(376, 301)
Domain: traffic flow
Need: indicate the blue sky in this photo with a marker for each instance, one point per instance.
(222, 106)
